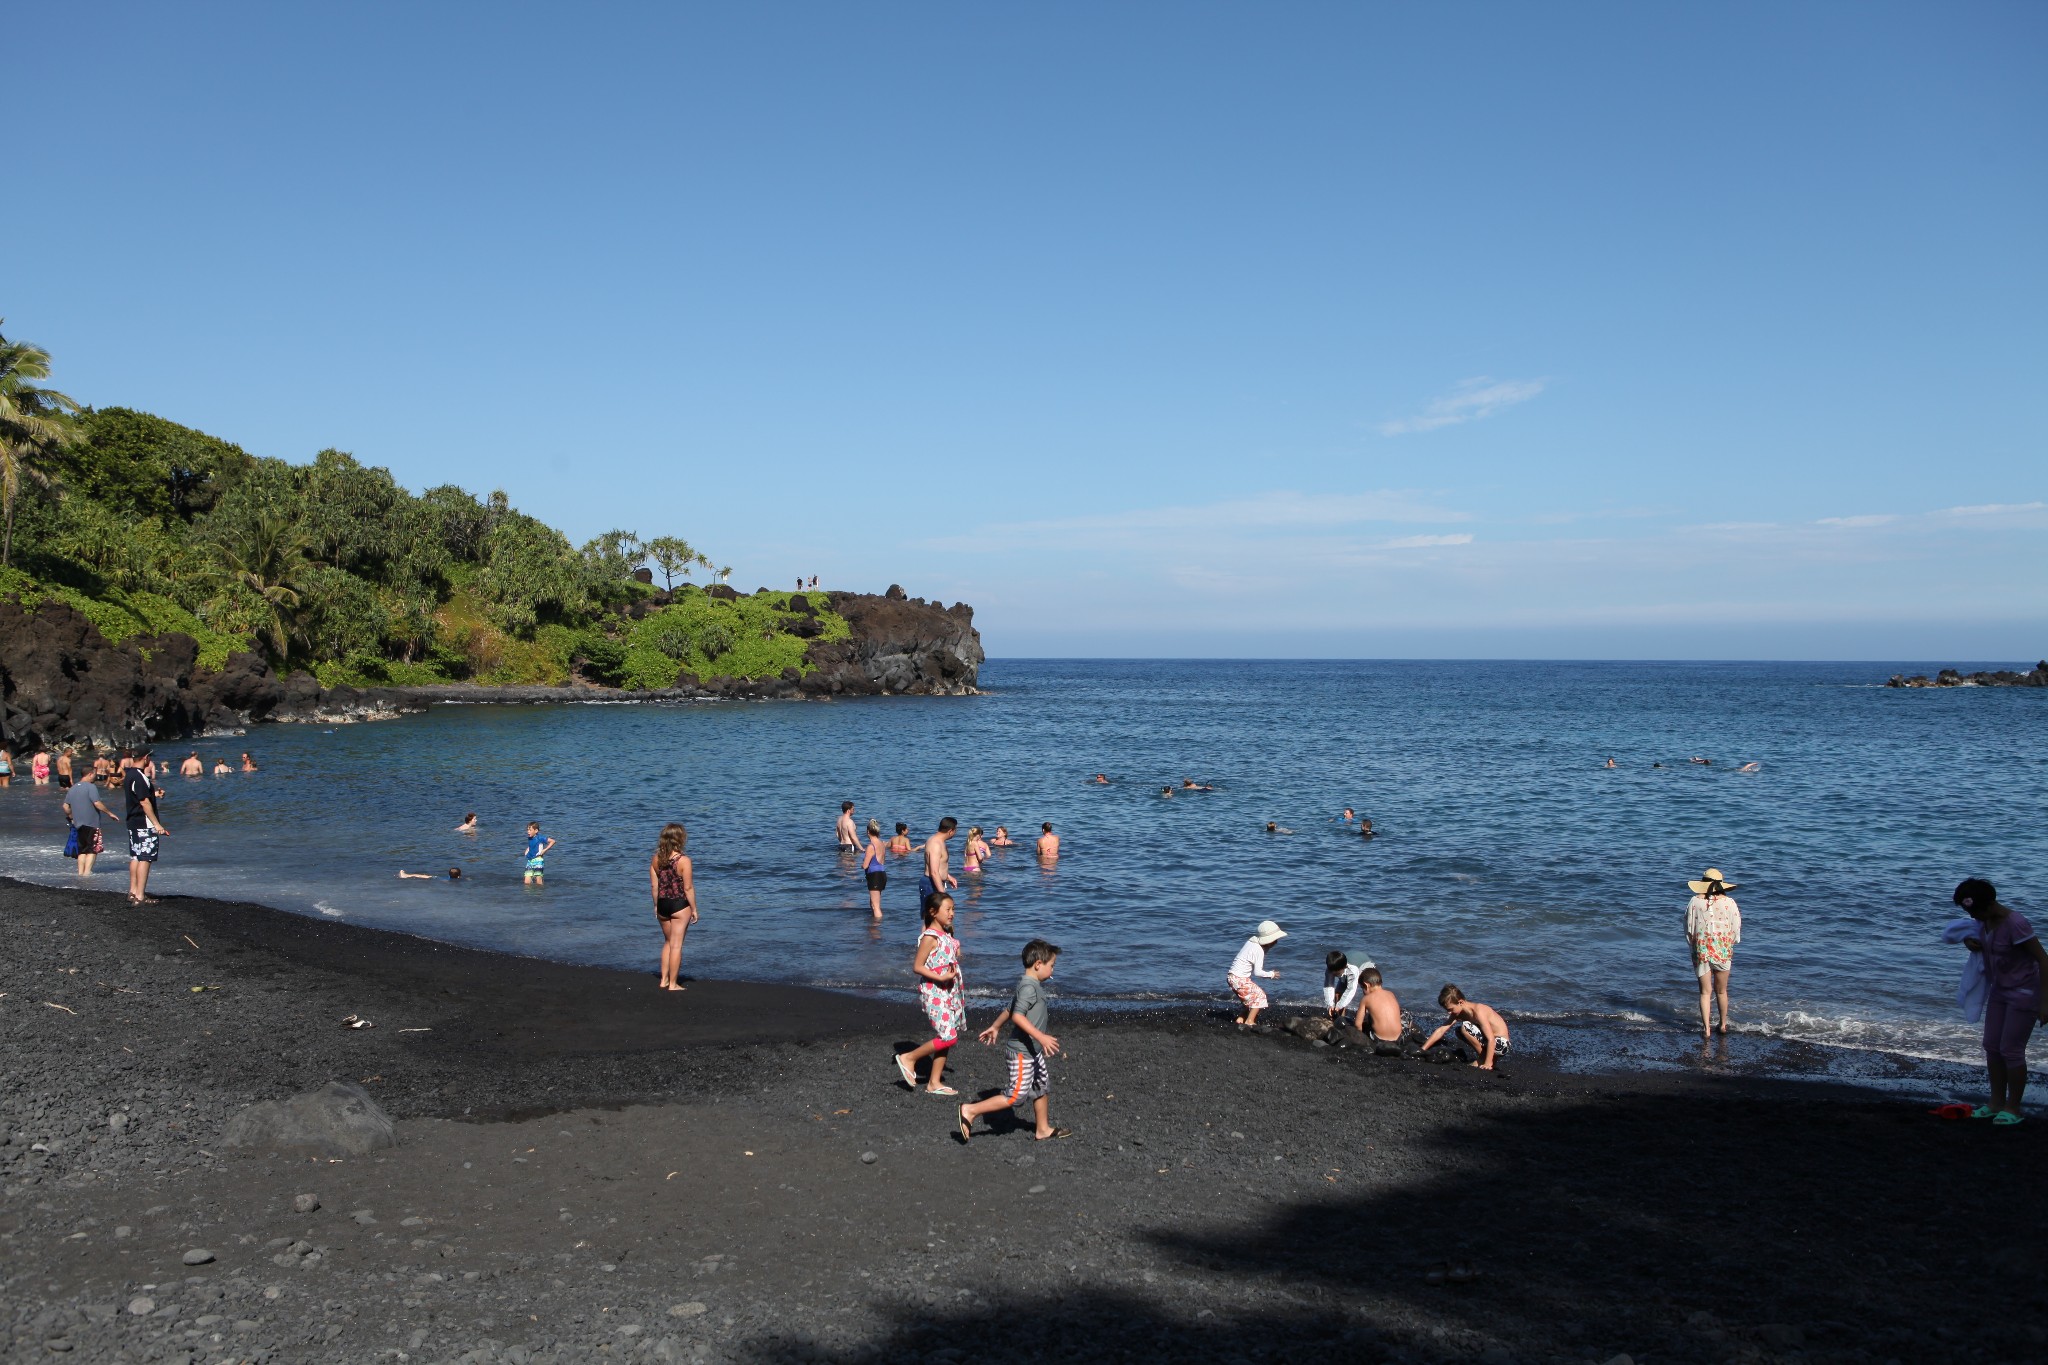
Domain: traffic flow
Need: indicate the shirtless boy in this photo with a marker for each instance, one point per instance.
(1048, 842)
(1379, 1015)
(937, 866)
(1474, 1025)
(849, 840)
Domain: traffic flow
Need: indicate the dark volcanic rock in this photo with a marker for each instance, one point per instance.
(898, 646)
(721, 590)
(62, 682)
(1949, 677)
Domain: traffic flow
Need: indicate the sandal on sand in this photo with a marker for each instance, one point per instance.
(946, 1090)
(1057, 1133)
(906, 1071)
(2006, 1119)
(966, 1125)
(1983, 1111)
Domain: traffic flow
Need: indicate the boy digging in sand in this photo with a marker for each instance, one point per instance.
(1026, 1048)
(1474, 1025)
(1380, 1016)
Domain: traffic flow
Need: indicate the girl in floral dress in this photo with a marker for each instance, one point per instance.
(937, 965)
(1713, 925)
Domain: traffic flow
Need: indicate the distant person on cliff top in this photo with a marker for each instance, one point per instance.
(221, 768)
(900, 845)
(85, 807)
(1048, 843)
(192, 766)
(673, 882)
(2014, 1001)
(144, 829)
(842, 829)
(248, 763)
(536, 854)
(938, 874)
(454, 875)
(468, 825)
(874, 867)
(1002, 839)
(1250, 962)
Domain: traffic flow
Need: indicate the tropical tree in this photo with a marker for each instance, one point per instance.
(673, 556)
(35, 425)
(263, 557)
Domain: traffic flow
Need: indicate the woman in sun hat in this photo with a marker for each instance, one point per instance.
(2015, 1002)
(1713, 926)
(1251, 962)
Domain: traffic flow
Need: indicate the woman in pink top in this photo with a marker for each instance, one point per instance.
(2013, 960)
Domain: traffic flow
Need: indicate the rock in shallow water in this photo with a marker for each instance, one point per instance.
(335, 1120)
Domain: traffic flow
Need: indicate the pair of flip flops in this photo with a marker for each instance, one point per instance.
(2001, 1117)
(966, 1128)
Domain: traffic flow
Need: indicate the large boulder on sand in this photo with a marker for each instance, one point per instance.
(335, 1120)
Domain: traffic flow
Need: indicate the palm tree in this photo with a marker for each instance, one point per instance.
(267, 556)
(35, 423)
(724, 573)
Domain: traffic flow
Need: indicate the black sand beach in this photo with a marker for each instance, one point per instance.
(588, 1170)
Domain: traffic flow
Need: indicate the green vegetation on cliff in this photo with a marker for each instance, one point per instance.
(150, 527)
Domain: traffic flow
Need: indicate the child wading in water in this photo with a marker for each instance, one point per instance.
(1250, 962)
(536, 853)
(937, 965)
(1026, 1048)
(1474, 1025)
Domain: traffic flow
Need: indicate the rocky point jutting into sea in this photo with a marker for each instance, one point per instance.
(1949, 677)
(63, 682)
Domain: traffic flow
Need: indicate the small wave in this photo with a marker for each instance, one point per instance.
(324, 908)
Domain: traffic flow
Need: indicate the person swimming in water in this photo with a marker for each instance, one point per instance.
(191, 767)
(468, 825)
(1365, 829)
(1610, 762)
(221, 768)
(900, 846)
(973, 851)
(1100, 779)
(1002, 839)
(1048, 843)
(1274, 828)
(1348, 816)
(1751, 767)
(1189, 784)
(1166, 792)
(454, 875)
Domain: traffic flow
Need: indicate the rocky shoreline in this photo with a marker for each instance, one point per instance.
(63, 683)
(588, 1169)
(1949, 677)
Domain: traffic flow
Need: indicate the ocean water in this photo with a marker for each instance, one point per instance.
(1509, 859)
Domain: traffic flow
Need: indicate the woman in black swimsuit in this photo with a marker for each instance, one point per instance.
(872, 863)
(675, 898)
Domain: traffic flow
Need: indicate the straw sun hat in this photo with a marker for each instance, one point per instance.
(1711, 878)
(1268, 933)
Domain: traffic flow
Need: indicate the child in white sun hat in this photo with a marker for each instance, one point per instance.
(1251, 962)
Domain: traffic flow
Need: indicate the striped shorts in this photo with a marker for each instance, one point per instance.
(1029, 1078)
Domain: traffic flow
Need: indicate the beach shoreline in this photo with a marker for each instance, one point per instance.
(579, 1156)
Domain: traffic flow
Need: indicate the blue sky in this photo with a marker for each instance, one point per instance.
(1315, 329)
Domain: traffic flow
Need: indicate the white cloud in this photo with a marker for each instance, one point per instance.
(1871, 519)
(1993, 509)
(1424, 542)
(1468, 401)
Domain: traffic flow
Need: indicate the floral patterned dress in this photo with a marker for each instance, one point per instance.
(943, 1005)
(1714, 925)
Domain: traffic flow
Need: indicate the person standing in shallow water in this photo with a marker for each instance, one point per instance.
(1713, 926)
(874, 866)
(670, 878)
(2014, 1001)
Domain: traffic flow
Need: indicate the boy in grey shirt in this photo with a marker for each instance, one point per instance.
(1026, 1049)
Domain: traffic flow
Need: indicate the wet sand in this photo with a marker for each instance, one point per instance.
(591, 1169)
